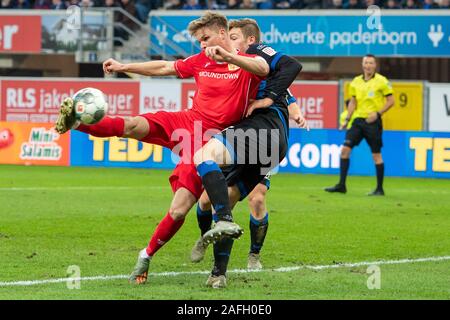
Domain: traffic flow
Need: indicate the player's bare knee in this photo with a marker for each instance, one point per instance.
(257, 202)
(204, 202)
(215, 151)
(377, 158)
(178, 213)
(234, 195)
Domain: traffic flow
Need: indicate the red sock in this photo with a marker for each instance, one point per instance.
(107, 127)
(163, 233)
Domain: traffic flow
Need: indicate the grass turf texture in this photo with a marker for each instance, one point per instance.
(98, 219)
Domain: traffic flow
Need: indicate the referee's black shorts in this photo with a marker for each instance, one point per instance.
(360, 129)
(257, 145)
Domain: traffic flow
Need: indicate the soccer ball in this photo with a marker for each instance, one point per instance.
(90, 105)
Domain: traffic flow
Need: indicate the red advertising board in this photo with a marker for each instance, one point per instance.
(20, 33)
(33, 144)
(319, 103)
(39, 100)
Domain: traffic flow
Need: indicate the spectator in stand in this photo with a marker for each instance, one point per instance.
(156, 4)
(58, 5)
(214, 5)
(334, 4)
(391, 4)
(233, 4)
(430, 4)
(73, 3)
(86, 4)
(143, 7)
(21, 4)
(192, 5)
(281, 4)
(263, 4)
(42, 4)
(247, 4)
(444, 4)
(6, 4)
(128, 6)
(311, 4)
(410, 4)
(113, 4)
(291, 4)
(174, 5)
(353, 4)
(368, 3)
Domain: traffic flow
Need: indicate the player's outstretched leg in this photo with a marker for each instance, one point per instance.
(182, 202)
(130, 127)
(66, 118)
(204, 219)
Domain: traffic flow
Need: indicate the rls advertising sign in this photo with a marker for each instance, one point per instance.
(20, 34)
(39, 100)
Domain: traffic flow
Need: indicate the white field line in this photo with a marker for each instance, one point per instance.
(282, 269)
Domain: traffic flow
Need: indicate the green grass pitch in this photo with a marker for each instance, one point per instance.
(98, 219)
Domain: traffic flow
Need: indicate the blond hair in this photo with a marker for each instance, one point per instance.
(209, 19)
(249, 28)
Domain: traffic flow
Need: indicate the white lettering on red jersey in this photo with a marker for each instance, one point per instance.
(223, 90)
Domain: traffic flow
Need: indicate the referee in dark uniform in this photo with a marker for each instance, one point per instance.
(371, 96)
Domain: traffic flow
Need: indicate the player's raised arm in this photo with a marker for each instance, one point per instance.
(255, 65)
(149, 68)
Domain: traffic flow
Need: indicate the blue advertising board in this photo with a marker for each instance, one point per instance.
(343, 34)
(86, 150)
(405, 153)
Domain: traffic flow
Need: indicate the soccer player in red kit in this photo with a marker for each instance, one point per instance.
(223, 94)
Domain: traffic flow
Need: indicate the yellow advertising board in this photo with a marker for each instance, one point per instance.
(407, 113)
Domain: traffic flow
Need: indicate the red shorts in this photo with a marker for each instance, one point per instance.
(184, 133)
(185, 176)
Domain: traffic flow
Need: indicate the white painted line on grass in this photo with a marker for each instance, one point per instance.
(282, 269)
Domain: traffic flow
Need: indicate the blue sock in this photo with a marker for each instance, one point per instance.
(258, 231)
(204, 219)
(216, 187)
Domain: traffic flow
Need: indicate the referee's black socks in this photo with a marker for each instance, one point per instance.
(380, 175)
(216, 187)
(345, 164)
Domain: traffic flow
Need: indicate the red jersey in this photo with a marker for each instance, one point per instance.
(223, 90)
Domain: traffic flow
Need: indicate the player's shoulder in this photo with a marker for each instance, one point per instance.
(258, 48)
(196, 58)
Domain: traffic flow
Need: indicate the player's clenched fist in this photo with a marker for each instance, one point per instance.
(217, 53)
(111, 65)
